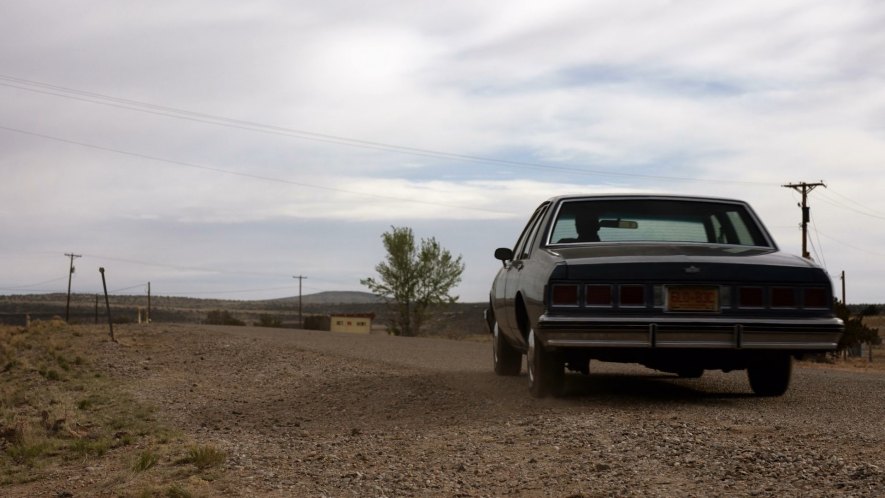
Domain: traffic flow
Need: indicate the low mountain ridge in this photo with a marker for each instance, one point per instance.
(332, 297)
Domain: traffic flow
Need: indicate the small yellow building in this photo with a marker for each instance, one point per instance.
(356, 323)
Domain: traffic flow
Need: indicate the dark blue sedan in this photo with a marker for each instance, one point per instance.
(678, 284)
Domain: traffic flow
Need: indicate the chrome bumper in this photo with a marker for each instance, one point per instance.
(819, 334)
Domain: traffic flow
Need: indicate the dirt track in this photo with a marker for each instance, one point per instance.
(314, 413)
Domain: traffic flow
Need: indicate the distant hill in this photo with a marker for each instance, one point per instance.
(456, 320)
(332, 297)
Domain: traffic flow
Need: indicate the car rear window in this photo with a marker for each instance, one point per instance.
(655, 220)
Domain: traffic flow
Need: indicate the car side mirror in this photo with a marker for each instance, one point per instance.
(504, 254)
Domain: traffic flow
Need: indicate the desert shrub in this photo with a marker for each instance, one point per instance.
(90, 447)
(204, 457)
(269, 321)
(50, 374)
(856, 333)
(26, 452)
(145, 461)
(176, 491)
(222, 317)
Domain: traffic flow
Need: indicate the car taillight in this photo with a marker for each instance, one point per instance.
(632, 295)
(751, 297)
(783, 297)
(564, 295)
(599, 295)
(815, 297)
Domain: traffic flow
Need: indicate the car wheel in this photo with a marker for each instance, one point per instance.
(546, 370)
(507, 359)
(769, 374)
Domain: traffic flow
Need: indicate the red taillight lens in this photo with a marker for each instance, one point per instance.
(751, 297)
(783, 297)
(632, 295)
(564, 295)
(599, 295)
(815, 297)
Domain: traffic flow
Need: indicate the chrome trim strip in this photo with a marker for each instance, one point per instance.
(790, 345)
(692, 320)
(816, 334)
(592, 343)
(600, 343)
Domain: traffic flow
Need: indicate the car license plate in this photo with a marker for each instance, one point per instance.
(692, 298)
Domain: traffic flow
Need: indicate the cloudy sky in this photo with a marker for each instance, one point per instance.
(217, 148)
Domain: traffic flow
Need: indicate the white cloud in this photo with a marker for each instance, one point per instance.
(741, 97)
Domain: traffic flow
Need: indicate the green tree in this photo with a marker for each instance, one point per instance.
(856, 333)
(414, 278)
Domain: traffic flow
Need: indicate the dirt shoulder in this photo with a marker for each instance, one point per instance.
(299, 413)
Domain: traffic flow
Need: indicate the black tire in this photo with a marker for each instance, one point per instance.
(506, 358)
(770, 373)
(546, 369)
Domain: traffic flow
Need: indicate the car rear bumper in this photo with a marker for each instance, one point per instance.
(807, 334)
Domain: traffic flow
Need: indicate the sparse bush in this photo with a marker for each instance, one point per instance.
(63, 363)
(176, 491)
(145, 461)
(222, 317)
(50, 374)
(269, 321)
(86, 404)
(204, 457)
(26, 452)
(90, 447)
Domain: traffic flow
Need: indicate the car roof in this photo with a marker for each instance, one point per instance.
(643, 196)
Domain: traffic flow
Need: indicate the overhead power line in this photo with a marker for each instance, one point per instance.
(247, 175)
(177, 113)
(38, 284)
(143, 285)
(187, 268)
(818, 248)
(861, 210)
(841, 241)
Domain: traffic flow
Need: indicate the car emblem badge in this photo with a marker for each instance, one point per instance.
(692, 269)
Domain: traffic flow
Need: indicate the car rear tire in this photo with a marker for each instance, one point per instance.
(546, 369)
(506, 358)
(769, 374)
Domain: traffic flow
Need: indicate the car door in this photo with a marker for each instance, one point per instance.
(513, 272)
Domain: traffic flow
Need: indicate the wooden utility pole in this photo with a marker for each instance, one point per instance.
(300, 317)
(149, 304)
(843, 286)
(70, 274)
(804, 189)
(107, 303)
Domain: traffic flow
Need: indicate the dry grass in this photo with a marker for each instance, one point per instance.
(61, 413)
(204, 457)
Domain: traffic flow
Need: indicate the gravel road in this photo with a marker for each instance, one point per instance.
(305, 413)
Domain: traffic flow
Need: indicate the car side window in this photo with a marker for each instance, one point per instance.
(523, 245)
(742, 231)
(526, 250)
